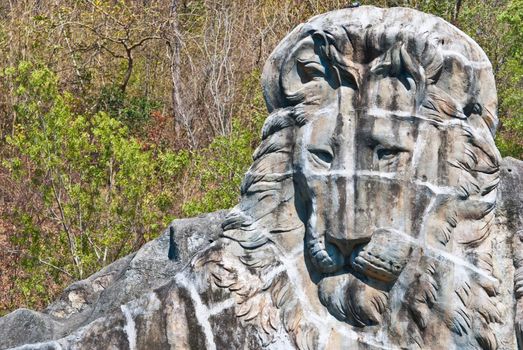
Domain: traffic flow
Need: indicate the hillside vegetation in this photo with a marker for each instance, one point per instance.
(119, 116)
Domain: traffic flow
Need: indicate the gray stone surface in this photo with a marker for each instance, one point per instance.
(104, 292)
(377, 213)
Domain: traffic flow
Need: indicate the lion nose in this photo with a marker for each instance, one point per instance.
(347, 241)
(347, 236)
(347, 231)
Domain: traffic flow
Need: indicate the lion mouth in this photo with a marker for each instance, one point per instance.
(383, 257)
(374, 265)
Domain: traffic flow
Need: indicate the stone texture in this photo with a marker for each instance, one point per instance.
(103, 293)
(377, 213)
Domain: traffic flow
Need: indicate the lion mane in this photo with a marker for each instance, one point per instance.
(450, 278)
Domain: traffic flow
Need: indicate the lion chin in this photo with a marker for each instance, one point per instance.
(350, 300)
(358, 293)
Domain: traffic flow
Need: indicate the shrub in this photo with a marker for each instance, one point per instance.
(99, 194)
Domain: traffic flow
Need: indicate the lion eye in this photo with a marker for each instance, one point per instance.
(321, 156)
(387, 153)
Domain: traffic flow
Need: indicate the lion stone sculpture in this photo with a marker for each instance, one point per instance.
(367, 218)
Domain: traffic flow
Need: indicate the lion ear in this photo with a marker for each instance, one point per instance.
(317, 55)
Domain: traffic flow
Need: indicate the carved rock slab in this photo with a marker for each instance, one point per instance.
(377, 213)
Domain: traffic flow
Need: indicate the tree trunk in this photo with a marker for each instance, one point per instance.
(128, 71)
(181, 118)
(455, 14)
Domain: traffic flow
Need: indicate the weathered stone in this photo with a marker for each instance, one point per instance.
(106, 291)
(372, 216)
(25, 327)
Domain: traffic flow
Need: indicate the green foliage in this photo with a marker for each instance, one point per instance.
(96, 183)
(220, 168)
(134, 112)
(510, 140)
(511, 145)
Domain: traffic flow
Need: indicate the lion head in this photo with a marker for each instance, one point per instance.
(379, 151)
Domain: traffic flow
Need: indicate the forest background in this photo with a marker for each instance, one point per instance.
(118, 116)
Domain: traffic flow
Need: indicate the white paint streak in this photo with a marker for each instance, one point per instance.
(296, 252)
(436, 253)
(418, 148)
(130, 327)
(273, 273)
(324, 322)
(294, 275)
(386, 114)
(201, 311)
(349, 159)
(349, 174)
(436, 189)
(323, 339)
(372, 173)
(222, 305)
(45, 345)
